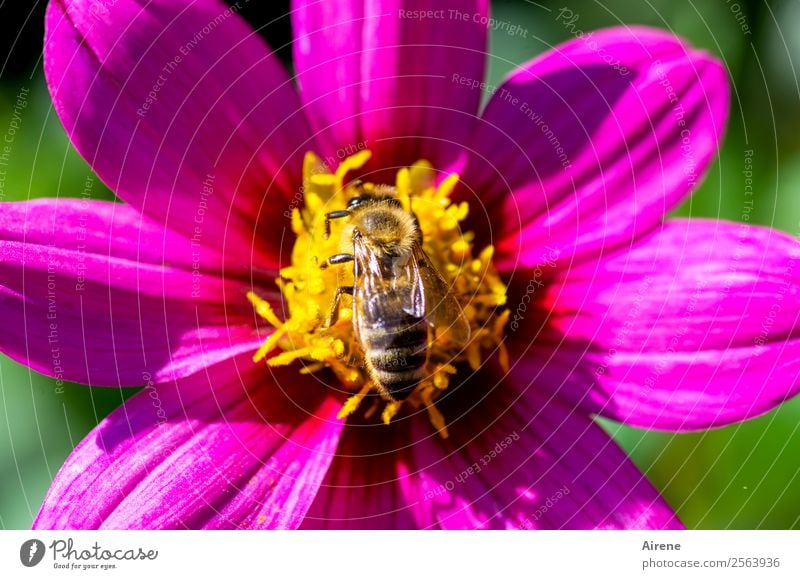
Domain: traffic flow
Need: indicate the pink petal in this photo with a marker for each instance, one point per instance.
(101, 228)
(577, 155)
(362, 487)
(183, 112)
(514, 459)
(377, 75)
(92, 292)
(697, 326)
(228, 448)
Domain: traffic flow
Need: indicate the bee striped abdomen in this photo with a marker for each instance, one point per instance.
(395, 345)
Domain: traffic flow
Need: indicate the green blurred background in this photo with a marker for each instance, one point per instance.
(745, 476)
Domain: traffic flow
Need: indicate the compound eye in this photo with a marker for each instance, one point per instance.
(356, 201)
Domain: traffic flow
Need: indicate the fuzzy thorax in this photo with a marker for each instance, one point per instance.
(309, 289)
(388, 231)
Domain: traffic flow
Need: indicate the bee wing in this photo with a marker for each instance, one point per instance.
(370, 281)
(418, 287)
(368, 272)
(433, 299)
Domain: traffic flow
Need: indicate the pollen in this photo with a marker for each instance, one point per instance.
(306, 339)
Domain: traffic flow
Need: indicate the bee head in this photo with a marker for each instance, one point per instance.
(367, 198)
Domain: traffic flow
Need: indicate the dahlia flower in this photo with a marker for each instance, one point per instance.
(545, 211)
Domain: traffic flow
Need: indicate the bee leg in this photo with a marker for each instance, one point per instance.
(333, 316)
(337, 259)
(333, 215)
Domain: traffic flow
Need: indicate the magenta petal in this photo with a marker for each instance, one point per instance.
(112, 230)
(374, 75)
(183, 112)
(515, 460)
(697, 326)
(92, 292)
(362, 487)
(589, 145)
(228, 448)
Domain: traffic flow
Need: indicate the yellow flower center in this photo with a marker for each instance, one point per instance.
(309, 287)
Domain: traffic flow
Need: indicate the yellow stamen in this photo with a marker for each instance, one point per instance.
(389, 411)
(353, 402)
(351, 163)
(308, 289)
(269, 345)
(264, 310)
(311, 368)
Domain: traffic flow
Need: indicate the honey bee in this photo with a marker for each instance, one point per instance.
(399, 297)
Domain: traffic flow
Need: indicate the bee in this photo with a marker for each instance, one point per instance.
(399, 297)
